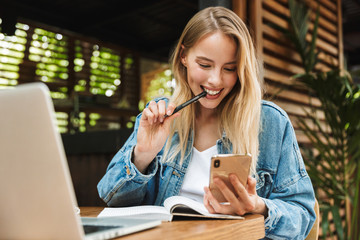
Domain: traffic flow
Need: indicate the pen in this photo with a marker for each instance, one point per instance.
(194, 99)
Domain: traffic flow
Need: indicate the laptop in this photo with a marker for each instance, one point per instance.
(37, 199)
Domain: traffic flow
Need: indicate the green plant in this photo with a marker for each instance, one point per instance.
(334, 165)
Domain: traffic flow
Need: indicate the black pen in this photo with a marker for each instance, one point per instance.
(194, 99)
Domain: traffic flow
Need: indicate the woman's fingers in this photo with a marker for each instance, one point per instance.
(236, 206)
(228, 194)
(239, 188)
(170, 109)
(240, 201)
(147, 116)
(213, 205)
(207, 201)
(155, 111)
(244, 196)
(243, 200)
(153, 107)
(161, 110)
(251, 185)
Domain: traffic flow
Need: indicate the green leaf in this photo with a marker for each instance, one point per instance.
(335, 210)
(311, 52)
(325, 221)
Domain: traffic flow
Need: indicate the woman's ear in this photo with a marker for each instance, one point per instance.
(183, 55)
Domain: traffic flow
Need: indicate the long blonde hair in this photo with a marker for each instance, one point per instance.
(239, 112)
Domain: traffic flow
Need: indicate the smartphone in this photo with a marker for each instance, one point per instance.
(224, 164)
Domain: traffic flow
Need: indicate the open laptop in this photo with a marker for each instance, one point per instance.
(37, 199)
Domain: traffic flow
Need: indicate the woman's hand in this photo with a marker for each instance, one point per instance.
(247, 201)
(153, 131)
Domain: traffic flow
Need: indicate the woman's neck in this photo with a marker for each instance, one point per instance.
(206, 114)
(206, 129)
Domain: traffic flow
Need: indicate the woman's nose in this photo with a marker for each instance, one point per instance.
(215, 77)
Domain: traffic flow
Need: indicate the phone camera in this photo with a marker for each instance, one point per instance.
(217, 163)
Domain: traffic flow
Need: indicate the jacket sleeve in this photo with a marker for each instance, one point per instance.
(123, 184)
(291, 201)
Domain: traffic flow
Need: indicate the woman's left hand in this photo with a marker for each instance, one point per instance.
(247, 201)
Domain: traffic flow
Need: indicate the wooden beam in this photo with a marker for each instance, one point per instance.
(340, 35)
(240, 8)
(256, 29)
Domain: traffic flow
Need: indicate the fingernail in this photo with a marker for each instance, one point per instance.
(168, 112)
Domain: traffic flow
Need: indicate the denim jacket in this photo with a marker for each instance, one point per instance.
(282, 181)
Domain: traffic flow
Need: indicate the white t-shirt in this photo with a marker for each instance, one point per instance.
(198, 173)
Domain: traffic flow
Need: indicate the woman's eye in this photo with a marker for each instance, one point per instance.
(204, 65)
(230, 69)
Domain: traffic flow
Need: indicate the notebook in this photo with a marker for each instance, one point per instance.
(37, 199)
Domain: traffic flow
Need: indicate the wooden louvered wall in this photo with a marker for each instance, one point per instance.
(278, 56)
(280, 60)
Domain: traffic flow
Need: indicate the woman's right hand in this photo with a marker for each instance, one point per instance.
(153, 131)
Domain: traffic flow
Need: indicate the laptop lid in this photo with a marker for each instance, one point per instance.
(37, 197)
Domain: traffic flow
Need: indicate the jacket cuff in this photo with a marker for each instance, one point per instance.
(273, 217)
(137, 176)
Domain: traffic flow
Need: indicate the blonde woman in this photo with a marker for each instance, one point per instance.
(168, 156)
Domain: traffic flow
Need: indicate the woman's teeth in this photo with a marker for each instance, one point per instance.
(211, 92)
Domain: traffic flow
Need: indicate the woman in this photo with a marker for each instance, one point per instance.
(168, 156)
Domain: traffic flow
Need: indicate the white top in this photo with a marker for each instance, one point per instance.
(198, 173)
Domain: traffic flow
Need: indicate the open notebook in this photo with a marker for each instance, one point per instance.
(37, 197)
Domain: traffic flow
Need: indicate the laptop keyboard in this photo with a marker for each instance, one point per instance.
(96, 228)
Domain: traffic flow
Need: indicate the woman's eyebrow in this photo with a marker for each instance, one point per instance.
(209, 60)
(204, 58)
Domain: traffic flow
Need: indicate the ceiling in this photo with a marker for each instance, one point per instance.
(149, 26)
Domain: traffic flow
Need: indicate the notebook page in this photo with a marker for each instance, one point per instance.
(144, 212)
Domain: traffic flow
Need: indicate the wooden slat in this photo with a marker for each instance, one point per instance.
(323, 11)
(276, 7)
(291, 95)
(280, 38)
(324, 46)
(302, 138)
(295, 121)
(291, 54)
(278, 77)
(296, 109)
(330, 5)
(281, 64)
(321, 33)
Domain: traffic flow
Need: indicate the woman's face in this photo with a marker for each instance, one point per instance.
(211, 66)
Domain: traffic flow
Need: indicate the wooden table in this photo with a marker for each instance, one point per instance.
(250, 228)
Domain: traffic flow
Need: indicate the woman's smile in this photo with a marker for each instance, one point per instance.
(212, 93)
